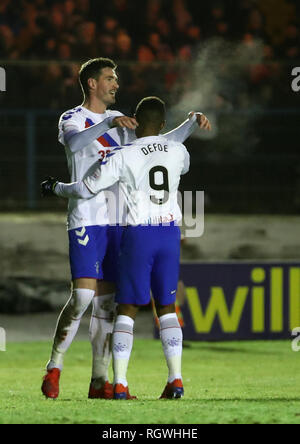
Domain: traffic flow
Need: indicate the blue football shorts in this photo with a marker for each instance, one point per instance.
(149, 259)
(94, 252)
(111, 259)
(87, 249)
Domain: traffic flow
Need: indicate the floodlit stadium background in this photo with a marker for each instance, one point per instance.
(231, 60)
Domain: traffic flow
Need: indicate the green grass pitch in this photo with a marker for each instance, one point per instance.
(234, 382)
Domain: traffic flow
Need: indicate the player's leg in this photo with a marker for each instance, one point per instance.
(133, 290)
(83, 291)
(102, 320)
(122, 342)
(100, 332)
(180, 299)
(164, 281)
(171, 339)
(83, 258)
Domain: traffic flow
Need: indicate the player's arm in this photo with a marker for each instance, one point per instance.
(109, 172)
(77, 139)
(52, 187)
(104, 176)
(75, 190)
(183, 132)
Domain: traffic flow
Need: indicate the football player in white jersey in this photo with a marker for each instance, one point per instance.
(149, 173)
(89, 132)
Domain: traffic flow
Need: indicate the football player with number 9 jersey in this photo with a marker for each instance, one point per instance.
(149, 174)
(88, 133)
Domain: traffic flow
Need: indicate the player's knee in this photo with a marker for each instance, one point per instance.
(162, 310)
(104, 288)
(80, 300)
(127, 310)
(89, 284)
(104, 303)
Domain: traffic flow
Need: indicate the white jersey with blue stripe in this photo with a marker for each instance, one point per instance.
(89, 212)
(149, 173)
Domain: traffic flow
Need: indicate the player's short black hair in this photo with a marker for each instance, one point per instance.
(92, 69)
(151, 110)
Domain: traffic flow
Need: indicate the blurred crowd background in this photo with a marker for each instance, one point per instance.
(141, 31)
(162, 30)
(231, 59)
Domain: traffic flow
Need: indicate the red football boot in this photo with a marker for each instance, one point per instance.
(173, 390)
(121, 392)
(104, 392)
(50, 386)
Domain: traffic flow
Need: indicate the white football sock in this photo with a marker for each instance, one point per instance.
(122, 346)
(68, 324)
(101, 328)
(171, 338)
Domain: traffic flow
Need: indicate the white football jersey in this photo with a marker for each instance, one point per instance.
(149, 173)
(88, 212)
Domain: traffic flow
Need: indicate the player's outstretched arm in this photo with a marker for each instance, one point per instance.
(183, 132)
(75, 190)
(78, 190)
(103, 176)
(107, 174)
(77, 140)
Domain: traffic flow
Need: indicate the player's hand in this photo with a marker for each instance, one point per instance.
(125, 122)
(47, 187)
(202, 121)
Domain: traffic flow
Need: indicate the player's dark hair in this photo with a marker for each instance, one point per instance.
(151, 110)
(92, 70)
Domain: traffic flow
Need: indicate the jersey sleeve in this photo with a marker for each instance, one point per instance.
(183, 132)
(107, 173)
(70, 122)
(72, 135)
(75, 190)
